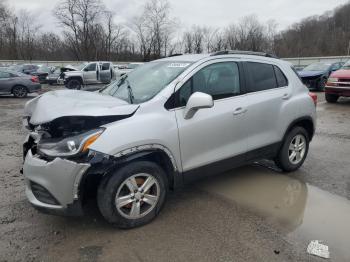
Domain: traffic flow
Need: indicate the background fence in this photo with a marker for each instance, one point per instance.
(48, 63)
(299, 61)
(305, 61)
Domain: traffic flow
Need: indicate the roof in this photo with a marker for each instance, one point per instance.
(196, 57)
(186, 58)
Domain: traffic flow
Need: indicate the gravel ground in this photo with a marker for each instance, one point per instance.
(253, 213)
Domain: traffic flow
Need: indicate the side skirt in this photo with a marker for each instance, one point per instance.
(267, 152)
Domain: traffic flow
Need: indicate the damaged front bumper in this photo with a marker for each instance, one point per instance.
(53, 185)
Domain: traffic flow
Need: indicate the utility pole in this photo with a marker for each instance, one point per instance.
(349, 48)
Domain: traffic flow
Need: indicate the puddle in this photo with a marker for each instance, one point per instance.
(301, 211)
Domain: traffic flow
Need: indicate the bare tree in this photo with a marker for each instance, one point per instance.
(153, 28)
(79, 18)
(188, 42)
(28, 29)
(113, 35)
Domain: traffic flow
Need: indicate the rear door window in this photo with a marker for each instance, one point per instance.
(260, 77)
(105, 66)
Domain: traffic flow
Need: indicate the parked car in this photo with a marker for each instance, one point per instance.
(52, 78)
(338, 84)
(18, 84)
(166, 123)
(315, 75)
(92, 73)
(25, 68)
(125, 69)
(42, 72)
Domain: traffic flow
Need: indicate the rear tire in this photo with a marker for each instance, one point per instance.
(19, 91)
(133, 195)
(294, 150)
(332, 98)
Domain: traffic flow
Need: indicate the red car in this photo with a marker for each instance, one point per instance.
(338, 84)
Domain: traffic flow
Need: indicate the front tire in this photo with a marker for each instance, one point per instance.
(74, 84)
(294, 150)
(133, 195)
(332, 98)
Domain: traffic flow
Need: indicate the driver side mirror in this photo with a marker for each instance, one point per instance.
(197, 101)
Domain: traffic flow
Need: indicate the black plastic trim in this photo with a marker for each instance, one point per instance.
(266, 152)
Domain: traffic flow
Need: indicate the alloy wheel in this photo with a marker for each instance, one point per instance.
(297, 149)
(19, 91)
(137, 196)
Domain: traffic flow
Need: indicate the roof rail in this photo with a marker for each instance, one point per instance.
(240, 52)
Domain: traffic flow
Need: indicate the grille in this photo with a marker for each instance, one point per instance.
(42, 194)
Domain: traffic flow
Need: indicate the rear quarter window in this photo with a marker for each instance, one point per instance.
(280, 77)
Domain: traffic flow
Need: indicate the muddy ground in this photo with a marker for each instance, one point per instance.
(253, 213)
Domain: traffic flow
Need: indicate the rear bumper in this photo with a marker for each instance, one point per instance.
(58, 180)
(338, 90)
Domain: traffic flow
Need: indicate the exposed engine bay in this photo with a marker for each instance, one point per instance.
(73, 125)
(64, 130)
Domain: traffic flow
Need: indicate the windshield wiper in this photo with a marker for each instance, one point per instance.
(130, 93)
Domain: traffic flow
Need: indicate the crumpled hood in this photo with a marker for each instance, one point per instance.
(55, 104)
(311, 73)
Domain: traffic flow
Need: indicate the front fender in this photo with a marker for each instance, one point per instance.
(144, 130)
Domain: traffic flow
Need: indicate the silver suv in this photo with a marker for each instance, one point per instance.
(166, 123)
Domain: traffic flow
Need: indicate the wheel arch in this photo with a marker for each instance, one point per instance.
(157, 154)
(88, 184)
(305, 122)
(20, 86)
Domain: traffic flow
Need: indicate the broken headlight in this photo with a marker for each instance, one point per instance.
(69, 146)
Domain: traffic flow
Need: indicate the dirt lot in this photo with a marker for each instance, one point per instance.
(254, 213)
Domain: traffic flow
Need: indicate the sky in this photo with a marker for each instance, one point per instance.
(214, 13)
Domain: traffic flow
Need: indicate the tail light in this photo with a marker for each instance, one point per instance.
(34, 79)
(313, 97)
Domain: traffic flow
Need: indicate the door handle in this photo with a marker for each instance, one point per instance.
(286, 96)
(239, 110)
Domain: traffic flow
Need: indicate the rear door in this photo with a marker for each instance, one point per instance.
(268, 92)
(105, 72)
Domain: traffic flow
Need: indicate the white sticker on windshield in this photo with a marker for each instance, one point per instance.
(178, 65)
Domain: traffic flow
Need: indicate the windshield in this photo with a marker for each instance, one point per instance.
(346, 65)
(145, 81)
(317, 67)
